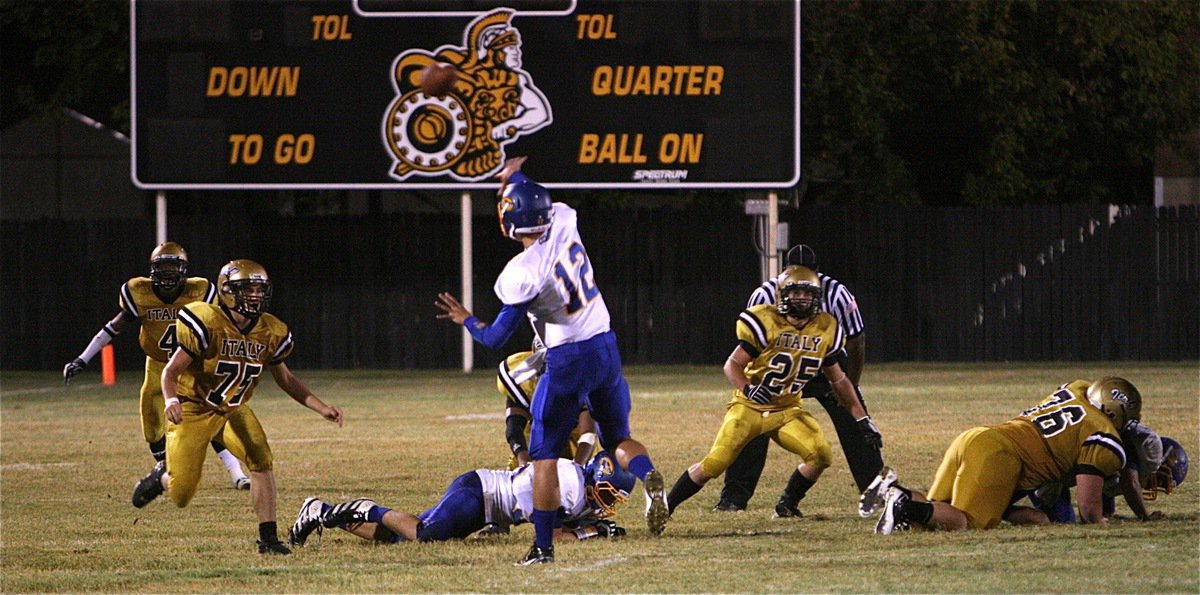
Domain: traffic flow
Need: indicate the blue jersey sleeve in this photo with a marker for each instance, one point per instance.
(496, 334)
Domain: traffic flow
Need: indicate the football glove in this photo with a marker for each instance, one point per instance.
(609, 529)
(757, 393)
(72, 369)
(870, 433)
(600, 528)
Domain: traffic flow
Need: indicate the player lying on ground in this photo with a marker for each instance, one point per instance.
(1153, 465)
(1074, 430)
(481, 498)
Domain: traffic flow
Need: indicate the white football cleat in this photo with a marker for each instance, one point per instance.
(657, 513)
(241, 483)
(307, 521)
(890, 520)
(873, 496)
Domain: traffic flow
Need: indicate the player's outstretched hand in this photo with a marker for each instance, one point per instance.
(451, 309)
(511, 166)
(334, 415)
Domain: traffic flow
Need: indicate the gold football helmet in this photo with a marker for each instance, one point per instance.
(1117, 398)
(799, 292)
(168, 266)
(244, 286)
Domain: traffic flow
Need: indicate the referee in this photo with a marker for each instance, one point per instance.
(865, 461)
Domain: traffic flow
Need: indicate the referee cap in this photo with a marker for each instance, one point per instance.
(802, 255)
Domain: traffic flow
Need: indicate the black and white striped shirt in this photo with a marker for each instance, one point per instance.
(837, 300)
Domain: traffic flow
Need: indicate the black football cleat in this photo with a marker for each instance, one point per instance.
(538, 555)
(786, 510)
(149, 487)
(273, 547)
(727, 506)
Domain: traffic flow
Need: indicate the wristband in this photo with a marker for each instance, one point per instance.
(583, 533)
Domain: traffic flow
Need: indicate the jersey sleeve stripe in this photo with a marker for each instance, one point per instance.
(211, 294)
(840, 302)
(112, 333)
(1107, 441)
(765, 294)
(511, 387)
(127, 302)
(284, 347)
(197, 327)
(756, 326)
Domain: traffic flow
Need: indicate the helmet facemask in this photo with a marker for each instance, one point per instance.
(1169, 474)
(251, 298)
(168, 273)
(606, 484)
(799, 300)
(245, 288)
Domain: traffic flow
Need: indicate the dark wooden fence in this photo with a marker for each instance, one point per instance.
(1073, 282)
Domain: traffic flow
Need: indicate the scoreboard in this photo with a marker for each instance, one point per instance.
(599, 93)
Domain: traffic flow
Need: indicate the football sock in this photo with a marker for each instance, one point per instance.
(797, 487)
(543, 525)
(158, 449)
(375, 515)
(641, 466)
(231, 463)
(267, 532)
(683, 489)
(917, 512)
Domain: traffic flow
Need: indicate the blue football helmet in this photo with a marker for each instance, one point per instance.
(1172, 472)
(524, 207)
(607, 484)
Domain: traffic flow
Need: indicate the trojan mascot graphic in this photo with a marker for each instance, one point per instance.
(463, 133)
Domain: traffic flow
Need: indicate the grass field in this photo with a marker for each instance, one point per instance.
(70, 456)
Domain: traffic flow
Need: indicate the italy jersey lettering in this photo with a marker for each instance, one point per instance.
(157, 335)
(227, 363)
(785, 358)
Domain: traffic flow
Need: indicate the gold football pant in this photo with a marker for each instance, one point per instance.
(154, 421)
(978, 475)
(792, 428)
(187, 444)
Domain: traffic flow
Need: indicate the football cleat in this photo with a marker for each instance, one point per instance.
(537, 555)
(307, 521)
(149, 487)
(891, 519)
(346, 513)
(873, 496)
(273, 547)
(786, 510)
(241, 483)
(727, 506)
(657, 513)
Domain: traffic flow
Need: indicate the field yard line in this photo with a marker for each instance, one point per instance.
(35, 466)
(601, 563)
(48, 389)
(470, 416)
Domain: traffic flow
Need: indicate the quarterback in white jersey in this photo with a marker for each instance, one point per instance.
(552, 282)
(483, 498)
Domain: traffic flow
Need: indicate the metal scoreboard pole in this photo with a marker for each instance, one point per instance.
(468, 301)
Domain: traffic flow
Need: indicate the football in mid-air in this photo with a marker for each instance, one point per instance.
(438, 79)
